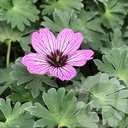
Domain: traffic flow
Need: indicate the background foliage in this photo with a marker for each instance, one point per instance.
(97, 97)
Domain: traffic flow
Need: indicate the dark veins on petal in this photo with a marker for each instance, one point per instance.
(56, 59)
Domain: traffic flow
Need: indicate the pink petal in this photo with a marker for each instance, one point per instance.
(68, 41)
(80, 57)
(66, 72)
(43, 42)
(35, 63)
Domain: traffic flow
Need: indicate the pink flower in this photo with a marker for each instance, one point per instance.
(56, 55)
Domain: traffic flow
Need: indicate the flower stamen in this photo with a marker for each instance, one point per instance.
(56, 59)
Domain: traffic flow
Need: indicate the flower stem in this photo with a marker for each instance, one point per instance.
(8, 53)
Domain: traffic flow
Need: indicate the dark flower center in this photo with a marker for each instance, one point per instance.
(56, 59)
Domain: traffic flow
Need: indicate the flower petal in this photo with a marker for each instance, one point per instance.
(43, 42)
(68, 41)
(66, 72)
(35, 63)
(80, 57)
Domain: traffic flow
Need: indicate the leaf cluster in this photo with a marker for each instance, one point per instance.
(97, 97)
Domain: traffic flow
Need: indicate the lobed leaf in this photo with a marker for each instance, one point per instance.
(108, 97)
(63, 5)
(113, 14)
(102, 1)
(92, 32)
(62, 20)
(25, 43)
(20, 94)
(115, 63)
(15, 117)
(33, 82)
(5, 79)
(114, 40)
(19, 13)
(123, 123)
(62, 111)
(85, 22)
(7, 33)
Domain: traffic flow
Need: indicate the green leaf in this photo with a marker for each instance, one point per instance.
(86, 23)
(8, 33)
(87, 118)
(102, 1)
(62, 20)
(5, 4)
(34, 1)
(107, 96)
(115, 63)
(21, 13)
(63, 5)
(34, 82)
(5, 79)
(113, 14)
(24, 43)
(16, 117)
(123, 123)
(126, 32)
(62, 111)
(12, 34)
(92, 31)
(114, 40)
(19, 93)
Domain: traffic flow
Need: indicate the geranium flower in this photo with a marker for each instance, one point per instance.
(56, 55)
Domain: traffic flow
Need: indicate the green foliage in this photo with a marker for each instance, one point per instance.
(20, 94)
(24, 43)
(63, 111)
(7, 33)
(97, 101)
(85, 22)
(115, 63)
(126, 32)
(15, 117)
(113, 14)
(123, 123)
(92, 31)
(34, 1)
(5, 79)
(62, 20)
(34, 82)
(19, 13)
(63, 5)
(102, 1)
(114, 40)
(107, 96)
